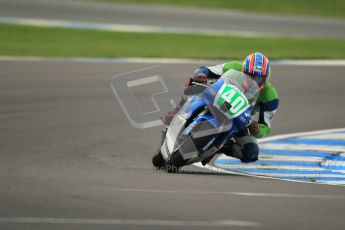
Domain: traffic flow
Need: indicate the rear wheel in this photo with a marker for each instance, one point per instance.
(158, 160)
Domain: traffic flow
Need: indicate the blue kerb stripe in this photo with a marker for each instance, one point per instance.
(333, 167)
(222, 162)
(264, 162)
(309, 141)
(282, 171)
(295, 153)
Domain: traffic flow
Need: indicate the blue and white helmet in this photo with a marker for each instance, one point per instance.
(258, 66)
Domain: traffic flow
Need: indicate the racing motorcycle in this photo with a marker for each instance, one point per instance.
(210, 117)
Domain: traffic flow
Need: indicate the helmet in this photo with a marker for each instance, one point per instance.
(258, 66)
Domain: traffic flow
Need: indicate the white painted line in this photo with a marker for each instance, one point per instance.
(336, 136)
(114, 60)
(291, 158)
(311, 62)
(134, 28)
(291, 135)
(339, 183)
(272, 157)
(280, 195)
(184, 223)
(166, 60)
(273, 167)
(143, 81)
(340, 171)
(314, 175)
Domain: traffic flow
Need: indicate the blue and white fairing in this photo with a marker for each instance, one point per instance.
(220, 118)
(223, 125)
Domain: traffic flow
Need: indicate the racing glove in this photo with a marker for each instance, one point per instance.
(253, 127)
(200, 78)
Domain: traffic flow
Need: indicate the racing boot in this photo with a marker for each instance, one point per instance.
(232, 149)
(207, 160)
(247, 153)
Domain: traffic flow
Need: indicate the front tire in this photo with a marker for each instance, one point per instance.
(158, 161)
(175, 163)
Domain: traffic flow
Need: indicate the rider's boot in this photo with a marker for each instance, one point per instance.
(232, 149)
(207, 160)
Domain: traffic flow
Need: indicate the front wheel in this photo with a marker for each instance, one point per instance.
(175, 163)
(158, 160)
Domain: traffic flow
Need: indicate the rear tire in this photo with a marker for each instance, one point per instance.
(158, 161)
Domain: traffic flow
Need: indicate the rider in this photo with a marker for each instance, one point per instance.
(256, 65)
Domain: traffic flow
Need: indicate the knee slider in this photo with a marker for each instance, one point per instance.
(250, 152)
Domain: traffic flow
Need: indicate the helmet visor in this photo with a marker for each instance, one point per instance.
(260, 80)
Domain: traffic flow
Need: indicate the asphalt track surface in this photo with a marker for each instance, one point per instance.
(68, 151)
(88, 11)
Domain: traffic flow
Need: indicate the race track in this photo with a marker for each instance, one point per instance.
(69, 158)
(166, 17)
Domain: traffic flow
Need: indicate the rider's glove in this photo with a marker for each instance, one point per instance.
(200, 78)
(253, 127)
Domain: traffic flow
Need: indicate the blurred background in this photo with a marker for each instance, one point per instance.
(69, 158)
(178, 29)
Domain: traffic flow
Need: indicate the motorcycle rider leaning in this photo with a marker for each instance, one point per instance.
(245, 146)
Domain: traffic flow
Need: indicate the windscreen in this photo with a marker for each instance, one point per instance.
(243, 82)
(231, 95)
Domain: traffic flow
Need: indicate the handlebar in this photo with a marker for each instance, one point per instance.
(201, 84)
(192, 82)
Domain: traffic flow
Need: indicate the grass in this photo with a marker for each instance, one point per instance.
(326, 8)
(18, 40)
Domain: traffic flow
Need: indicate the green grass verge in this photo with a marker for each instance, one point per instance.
(326, 8)
(18, 40)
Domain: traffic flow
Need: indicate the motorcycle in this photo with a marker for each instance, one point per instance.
(207, 120)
